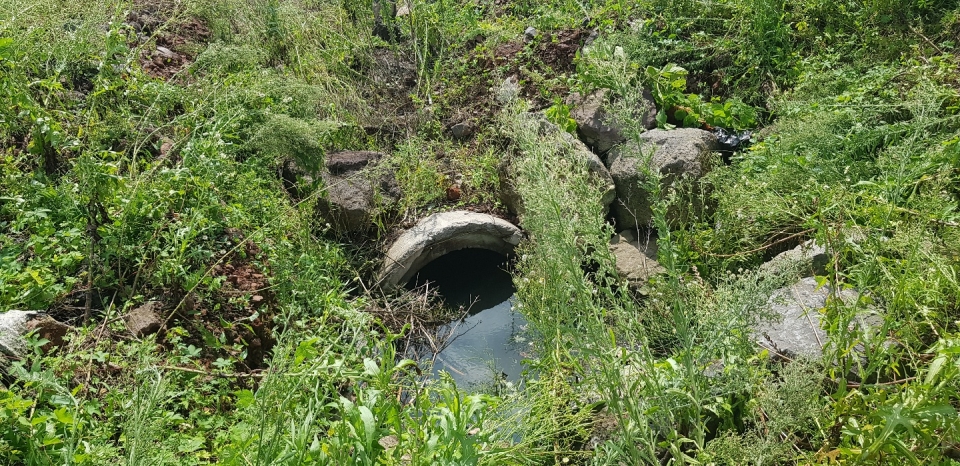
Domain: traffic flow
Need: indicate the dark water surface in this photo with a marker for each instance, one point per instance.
(489, 340)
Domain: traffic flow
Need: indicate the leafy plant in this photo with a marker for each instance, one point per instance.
(559, 114)
(689, 110)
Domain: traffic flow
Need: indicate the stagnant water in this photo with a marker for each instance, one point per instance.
(487, 344)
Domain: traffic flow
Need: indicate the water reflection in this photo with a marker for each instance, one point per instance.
(489, 341)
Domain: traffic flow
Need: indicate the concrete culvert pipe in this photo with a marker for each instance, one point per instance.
(440, 234)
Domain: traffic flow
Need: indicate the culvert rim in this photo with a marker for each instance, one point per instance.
(442, 233)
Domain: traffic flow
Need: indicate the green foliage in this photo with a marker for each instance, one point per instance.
(419, 174)
(221, 58)
(559, 114)
(689, 110)
(482, 176)
(282, 136)
(562, 210)
(606, 65)
(144, 188)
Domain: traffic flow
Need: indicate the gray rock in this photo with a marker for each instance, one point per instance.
(807, 259)
(598, 171)
(594, 34)
(357, 187)
(673, 154)
(166, 53)
(595, 124)
(530, 33)
(348, 205)
(797, 331)
(145, 320)
(13, 325)
(404, 9)
(510, 196)
(463, 130)
(636, 261)
(339, 163)
(440, 234)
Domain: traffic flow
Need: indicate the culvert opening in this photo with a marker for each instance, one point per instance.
(487, 345)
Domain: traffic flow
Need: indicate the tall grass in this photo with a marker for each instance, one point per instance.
(603, 353)
(863, 158)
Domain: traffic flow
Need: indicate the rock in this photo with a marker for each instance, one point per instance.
(595, 167)
(440, 234)
(600, 172)
(145, 320)
(166, 53)
(348, 205)
(339, 163)
(351, 201)
(509, 90)
(462, 131)
(13, 325)
(808, 259)
(797, 331)
(404, 9)
(49, 329)
(594, 34)
(454, 193)
(388, 442)
(510, 196)
(166, 147)
(595, 124)
(357, 186)
(636, 261)
(676, 153)
(296, 179)
(530, 33)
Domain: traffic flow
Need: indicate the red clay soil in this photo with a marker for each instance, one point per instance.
(246, 304)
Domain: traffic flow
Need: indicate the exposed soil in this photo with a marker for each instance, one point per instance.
(242, 309)
(560, 51)
(176, 41)
(547, 55)
(239, 314)
(391, 78)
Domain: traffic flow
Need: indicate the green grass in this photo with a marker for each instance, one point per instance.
(119, 187)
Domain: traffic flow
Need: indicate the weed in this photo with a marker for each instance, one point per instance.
(121, 185)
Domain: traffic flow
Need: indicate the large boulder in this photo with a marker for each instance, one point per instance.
(440, 234)
(673, 154)
(636, 261)
(596, 125)
(510, 195)
(807, 259)
(356, 187)
(796, 330)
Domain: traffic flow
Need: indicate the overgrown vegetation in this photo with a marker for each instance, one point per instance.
(140, 146)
